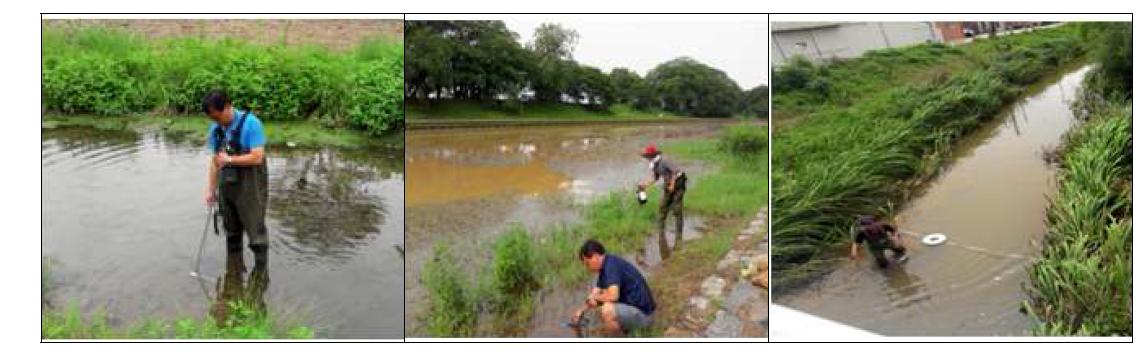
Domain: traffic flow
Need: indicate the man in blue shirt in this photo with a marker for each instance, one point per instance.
(624, 298)
(237, 179)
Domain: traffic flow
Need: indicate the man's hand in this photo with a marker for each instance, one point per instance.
(576, 315)
(854, 251)
(209, 197)
(221, 159)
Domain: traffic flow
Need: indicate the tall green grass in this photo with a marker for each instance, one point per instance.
(1082, 282)
(843, 161)
(109, 72)
(801, 85)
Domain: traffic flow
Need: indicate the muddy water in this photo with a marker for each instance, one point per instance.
(123, 214)
(467, 185)
(990, 202)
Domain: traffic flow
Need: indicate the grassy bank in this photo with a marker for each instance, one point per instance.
(841, 161)
(243, 323)
(472, 110)
(1082, 282)
(109, 73)
(527, 262)
(301, 134)
(801, 87)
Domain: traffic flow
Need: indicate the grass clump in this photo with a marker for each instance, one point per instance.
(452, 309)
(514, 263)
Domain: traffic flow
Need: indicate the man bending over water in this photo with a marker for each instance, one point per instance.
(624, 298)
(879, 237)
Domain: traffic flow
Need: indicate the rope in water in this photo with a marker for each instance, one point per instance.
(975, 249)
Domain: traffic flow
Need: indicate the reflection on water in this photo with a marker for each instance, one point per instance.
(324, 205)
(122, 213)
(235, 290)
(990, 203)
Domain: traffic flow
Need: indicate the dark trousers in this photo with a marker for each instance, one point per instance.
(673, 204)
(878, 250)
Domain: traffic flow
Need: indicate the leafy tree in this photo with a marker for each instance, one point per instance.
(553, 42)
(755, 102)
(627, 86)
(686, 86)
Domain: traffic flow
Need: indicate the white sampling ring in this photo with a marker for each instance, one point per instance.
(934, 239)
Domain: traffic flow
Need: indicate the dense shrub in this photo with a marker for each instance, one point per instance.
(376, 97)
(108, 72)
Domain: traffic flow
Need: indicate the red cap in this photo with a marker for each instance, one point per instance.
(650, 151)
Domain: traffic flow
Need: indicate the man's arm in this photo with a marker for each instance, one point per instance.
(648, 181)
(854, 250)
(589, 303)
(253, 158)
(607, 295)
(212, 180)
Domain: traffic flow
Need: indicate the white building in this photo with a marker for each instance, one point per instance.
(819, 41)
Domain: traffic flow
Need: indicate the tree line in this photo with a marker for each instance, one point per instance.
(484, 61)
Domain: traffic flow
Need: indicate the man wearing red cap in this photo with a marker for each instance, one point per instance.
(674, 187)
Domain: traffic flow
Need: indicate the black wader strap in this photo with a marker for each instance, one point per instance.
(221, 144)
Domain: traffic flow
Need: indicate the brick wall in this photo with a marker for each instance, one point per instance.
(337, 34)
(950, 31)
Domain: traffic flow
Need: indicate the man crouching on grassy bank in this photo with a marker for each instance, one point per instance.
(624, 298)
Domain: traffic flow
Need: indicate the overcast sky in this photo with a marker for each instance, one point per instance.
(736, 46)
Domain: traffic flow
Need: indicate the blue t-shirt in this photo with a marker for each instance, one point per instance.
(252, 135)
(633, 290)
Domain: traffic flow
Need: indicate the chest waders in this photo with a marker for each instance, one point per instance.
(673, 204)
(242, 195)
